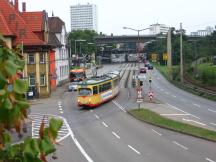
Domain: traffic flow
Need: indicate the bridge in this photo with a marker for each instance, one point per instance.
(99, 40)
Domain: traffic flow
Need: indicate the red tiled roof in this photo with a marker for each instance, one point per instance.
(34, 20)
(18, 26)
(4, 29)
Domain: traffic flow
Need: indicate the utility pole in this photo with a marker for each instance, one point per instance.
(169, 54)
(181, 55)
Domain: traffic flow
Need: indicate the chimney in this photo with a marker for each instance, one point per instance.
(23, 7)
(17, 5)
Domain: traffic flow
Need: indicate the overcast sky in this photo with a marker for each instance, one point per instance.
(138, 14)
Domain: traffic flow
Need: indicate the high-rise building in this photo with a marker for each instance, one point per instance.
(158, 28)
(83, 17)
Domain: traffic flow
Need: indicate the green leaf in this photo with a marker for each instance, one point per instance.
(47, 146)
(20, 86)
(23, 104)
(2, 92)
(31, 149)
(6, 138)
(55, 124)
(7, 104)
(10, 67)
(3, 81)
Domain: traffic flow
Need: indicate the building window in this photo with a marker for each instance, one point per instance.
(31, 80)
(42, 58)
(31, 58)
(42, 80)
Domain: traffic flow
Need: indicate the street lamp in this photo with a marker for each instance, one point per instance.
(138, 40)
(78, 40)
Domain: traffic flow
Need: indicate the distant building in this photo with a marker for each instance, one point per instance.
(83, 17)
(59, 65)
(208, 31)
(157, 29)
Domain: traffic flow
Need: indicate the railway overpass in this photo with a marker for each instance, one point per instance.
(100, 40)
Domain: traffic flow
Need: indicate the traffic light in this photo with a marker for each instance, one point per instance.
(141, 83)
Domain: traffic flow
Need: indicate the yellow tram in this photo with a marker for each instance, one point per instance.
(96, 90)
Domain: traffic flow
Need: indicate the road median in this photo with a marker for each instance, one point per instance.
(153, 118)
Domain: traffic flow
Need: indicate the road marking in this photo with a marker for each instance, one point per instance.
(182, 111)
(196, 105)
(174, 96)
(180, 145)
(209, 160)
(115, 135)
(105, 124)
(91, 110)
(96, 116)
(134, 149)
(174, 114)
(194, 121)
(212, 110)
(88, 158)
(213, 124)
(119, 106)
(61, 112)
(157, 132)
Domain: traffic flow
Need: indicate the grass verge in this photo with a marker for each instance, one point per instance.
(155, 119)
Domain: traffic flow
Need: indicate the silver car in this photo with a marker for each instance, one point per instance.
(72, 86)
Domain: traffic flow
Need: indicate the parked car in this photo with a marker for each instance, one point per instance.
(72, 86)
(150, 67)
(143, 70)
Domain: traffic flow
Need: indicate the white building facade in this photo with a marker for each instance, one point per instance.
(58, 36)
(208, 31)
(84, 17)
(157, 29)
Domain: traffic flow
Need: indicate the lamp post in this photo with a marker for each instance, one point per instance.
(78, 40)
(138, 41)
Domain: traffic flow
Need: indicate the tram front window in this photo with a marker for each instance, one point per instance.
(84, 91)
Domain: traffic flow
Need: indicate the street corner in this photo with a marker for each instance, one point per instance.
(36, 120)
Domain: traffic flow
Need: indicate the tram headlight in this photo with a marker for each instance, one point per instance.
(89, 100)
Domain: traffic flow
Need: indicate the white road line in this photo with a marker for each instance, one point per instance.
(134, 149)
(60, 109)
(213, 124)
(157, 132)
(59, 102)
(96, 116)
(212, 110)
(174, 96)
(209, 160)
(193, 121)
(119, 106)
(91, 110)
(182, 111)
(174, 114)
(196, 105)
(105, 124)
(115, 135)
(88, 158)
(61, 112)
(180, 145)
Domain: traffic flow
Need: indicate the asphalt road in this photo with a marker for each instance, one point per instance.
(107, 133)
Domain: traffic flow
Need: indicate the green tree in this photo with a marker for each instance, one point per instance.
(86, 47)
(13, 113)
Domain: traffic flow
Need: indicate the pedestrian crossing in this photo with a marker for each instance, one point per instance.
(36, 120)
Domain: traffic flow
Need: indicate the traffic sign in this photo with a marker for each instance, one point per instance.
(139, 100)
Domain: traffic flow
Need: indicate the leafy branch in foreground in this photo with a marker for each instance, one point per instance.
(13, 113)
